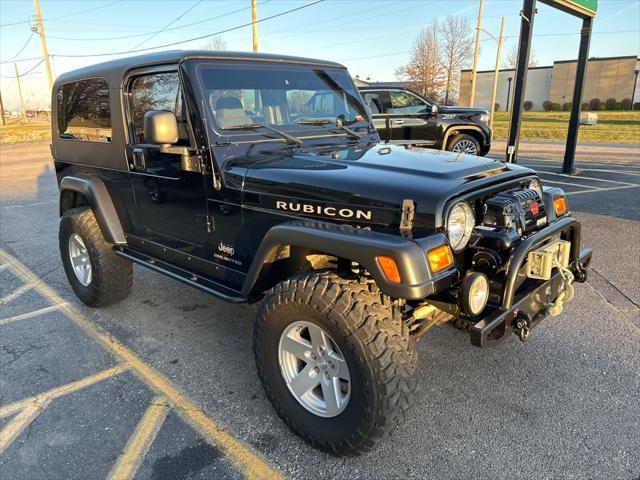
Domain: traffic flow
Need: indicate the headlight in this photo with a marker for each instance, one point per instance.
(537, 186)
(460, 225)
(484, 118)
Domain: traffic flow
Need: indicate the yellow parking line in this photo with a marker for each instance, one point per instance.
(35, 313)
(243, 457)
(19, 423)
(141, 440)
(47, 396)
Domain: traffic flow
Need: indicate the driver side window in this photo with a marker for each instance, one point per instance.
(157, 91)
(405, 103)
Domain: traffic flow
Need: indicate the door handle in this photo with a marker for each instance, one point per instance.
(397, 122)
(138, 160)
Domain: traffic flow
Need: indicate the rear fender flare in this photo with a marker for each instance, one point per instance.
(99, 199)
(361, 246)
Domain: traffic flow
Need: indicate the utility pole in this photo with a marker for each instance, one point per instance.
(3, 122)
(22, 106)
(476, 52)
(254, 24)
(39, 29)
(496, 74)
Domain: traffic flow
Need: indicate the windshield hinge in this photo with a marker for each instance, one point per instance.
(211, 224)
(406, 218)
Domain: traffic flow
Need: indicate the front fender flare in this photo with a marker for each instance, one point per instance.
(361, 246)
(99, 199)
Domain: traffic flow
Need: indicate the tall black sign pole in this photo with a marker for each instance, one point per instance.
(526, 28)
(574, 120)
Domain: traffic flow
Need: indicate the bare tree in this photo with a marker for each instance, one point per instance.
(216, 43)
(456, 49)
(512, 58)
(425, 69)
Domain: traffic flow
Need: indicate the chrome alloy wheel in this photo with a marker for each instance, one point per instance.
(314, 369)
(80, 260)
(465, 146)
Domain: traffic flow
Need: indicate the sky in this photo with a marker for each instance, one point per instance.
(371, 37)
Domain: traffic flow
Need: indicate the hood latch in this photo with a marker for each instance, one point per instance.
(406, 218)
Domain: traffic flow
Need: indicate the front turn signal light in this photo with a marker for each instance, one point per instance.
(390, 268)
(560, 205)
(440, 258)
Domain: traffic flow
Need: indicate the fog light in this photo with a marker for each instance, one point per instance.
(474, 293)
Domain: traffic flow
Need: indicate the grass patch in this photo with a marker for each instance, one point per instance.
(25, 132)
(612, 127)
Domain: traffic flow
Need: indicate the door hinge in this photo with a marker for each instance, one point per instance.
(211, 224)
(406, 218)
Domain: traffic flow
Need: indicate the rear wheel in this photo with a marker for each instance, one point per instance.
(97, 275)
(335, 360)
(464, 143)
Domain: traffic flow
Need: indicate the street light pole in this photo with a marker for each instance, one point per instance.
(22, 106)
(476, 52)
(496, 74)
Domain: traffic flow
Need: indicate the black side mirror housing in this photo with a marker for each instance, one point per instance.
(161, 128)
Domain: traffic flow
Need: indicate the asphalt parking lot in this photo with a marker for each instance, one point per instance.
(163, 385)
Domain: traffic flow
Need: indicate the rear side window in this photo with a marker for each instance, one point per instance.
(405, 103)
(376, 102)
(84, 112)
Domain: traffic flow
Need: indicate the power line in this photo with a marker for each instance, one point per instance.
(62, 16)
(178, 27)
(22, 49)
(168, 24)
(194, 38)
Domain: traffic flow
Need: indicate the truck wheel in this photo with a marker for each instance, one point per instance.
(335, 360)
(97, 275)
(463, 143)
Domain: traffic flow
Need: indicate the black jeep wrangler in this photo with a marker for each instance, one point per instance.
(224, 171)
(404, 117)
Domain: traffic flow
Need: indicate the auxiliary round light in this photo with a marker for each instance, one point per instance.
(474, 293)
(460, 225)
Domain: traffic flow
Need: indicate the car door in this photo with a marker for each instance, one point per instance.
(170, 203)
(411, 121)
(378, 102)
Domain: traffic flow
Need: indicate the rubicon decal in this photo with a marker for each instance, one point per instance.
(325, 211)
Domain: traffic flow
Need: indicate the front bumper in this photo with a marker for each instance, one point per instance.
(532, 299)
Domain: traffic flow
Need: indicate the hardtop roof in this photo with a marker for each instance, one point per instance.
(114, 70)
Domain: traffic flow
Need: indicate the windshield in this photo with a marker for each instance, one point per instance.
(279, 96)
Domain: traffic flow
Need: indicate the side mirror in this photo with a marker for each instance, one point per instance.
(434, 109)
(161, 128)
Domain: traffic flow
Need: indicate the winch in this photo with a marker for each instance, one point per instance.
(521, 210)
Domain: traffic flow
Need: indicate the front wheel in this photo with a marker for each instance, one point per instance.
(463, 143)
(334, 360)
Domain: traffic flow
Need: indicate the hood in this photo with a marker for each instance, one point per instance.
(367, 186)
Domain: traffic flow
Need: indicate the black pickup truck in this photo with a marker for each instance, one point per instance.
(260, 178)
(404, 117)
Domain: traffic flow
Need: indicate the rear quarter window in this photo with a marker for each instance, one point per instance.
(83, 111)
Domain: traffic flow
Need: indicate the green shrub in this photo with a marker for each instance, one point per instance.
(567, 106)
(601, 107)
(617, 106)
(636, 106)
(584, 106)
(595, 103)
(626, 104)
(555, 107)
(610, 104)
(546, 106)
(496, 107)
(528, 105)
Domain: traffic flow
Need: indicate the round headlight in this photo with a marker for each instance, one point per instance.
(460, 225)
(537, 186)
(474, 293)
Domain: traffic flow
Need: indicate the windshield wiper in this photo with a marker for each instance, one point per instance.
(353, 133)
(255, 126)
